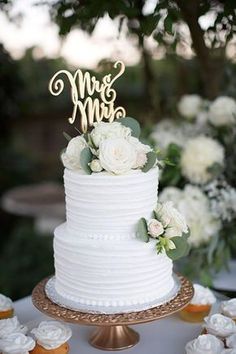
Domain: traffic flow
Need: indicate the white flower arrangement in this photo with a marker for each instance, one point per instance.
(112, 147)
(201, 159)
(222, 111)
(190, 105)
(195, 206)
(169, 228)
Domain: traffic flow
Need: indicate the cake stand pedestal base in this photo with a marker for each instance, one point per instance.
(114, 338)
(112, 331)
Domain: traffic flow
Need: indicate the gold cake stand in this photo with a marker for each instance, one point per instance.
(112, 332)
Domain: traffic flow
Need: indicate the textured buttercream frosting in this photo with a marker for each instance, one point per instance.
(106, 206)
(98, 259)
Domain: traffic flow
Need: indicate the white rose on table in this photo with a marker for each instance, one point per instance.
(231, 341)
(16, 343)
(5, 303)
(204, 344)
(200, 154)
(219, 325)
(171, 218)
(52, 334)
(228, 308)
(103, 131)
(190, 105)
(155, 228)
(222, 111)
(11, 325)
(117, 155)
(96, 166)
(141, 151)
(71, 157)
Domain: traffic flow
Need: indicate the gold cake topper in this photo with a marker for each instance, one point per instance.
(83, 88)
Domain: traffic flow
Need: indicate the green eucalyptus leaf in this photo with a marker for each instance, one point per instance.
(141, 231)
(85, 158)
(133, 124)
(67, 136)
(151, 160)
(181, 250)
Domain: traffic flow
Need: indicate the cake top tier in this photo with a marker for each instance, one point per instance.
(114, 148)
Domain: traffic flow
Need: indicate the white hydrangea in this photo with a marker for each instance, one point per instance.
(222, 199)
(200, 154)
(190, 105)
(105, 130)
(222, 111)
(167, 132)
(195, 206)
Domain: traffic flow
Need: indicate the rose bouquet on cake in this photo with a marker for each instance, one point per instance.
(201, 143)
(111, 147)
(168, 227)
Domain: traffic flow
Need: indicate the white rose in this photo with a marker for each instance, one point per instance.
(103, 131)
(11, 325)
(219, 325)
(52, 334)
(190, 105)
(228, 308)
(141, 151)
(71, 157)
(16, 343)
(117, 155)
(204, 344)
(5, 303)
(199, 154)
(171, 217)
(96, 166)
(231, 341)
(222, 111)
(155, 228)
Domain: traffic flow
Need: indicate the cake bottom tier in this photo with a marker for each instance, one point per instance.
(110, 273)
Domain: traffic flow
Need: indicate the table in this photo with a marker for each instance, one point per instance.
(166, 336)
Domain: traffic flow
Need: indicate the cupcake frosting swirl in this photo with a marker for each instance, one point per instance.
(231, 341)
(202, 296)
(16, 343)
(228, 308)
(52, 334)
(219, 325)
(11, 325)
(204, 344)
(5, 303)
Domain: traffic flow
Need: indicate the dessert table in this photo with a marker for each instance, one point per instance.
(166, 336)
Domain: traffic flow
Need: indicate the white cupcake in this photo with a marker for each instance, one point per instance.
(51, 336)
(219, 325)
(204, 344)
(200, 305)
(16, 343)
(6, 307)
(231, 341)
(228, 308)
(11, 325)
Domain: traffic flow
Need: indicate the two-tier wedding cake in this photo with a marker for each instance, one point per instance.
(101, 261)
(115, 251)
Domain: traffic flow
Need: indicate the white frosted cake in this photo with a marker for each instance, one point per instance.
(99, 260)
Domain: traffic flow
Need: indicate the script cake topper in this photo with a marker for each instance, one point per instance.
(83, 88)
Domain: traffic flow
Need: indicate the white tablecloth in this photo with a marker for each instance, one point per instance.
(166, 336)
